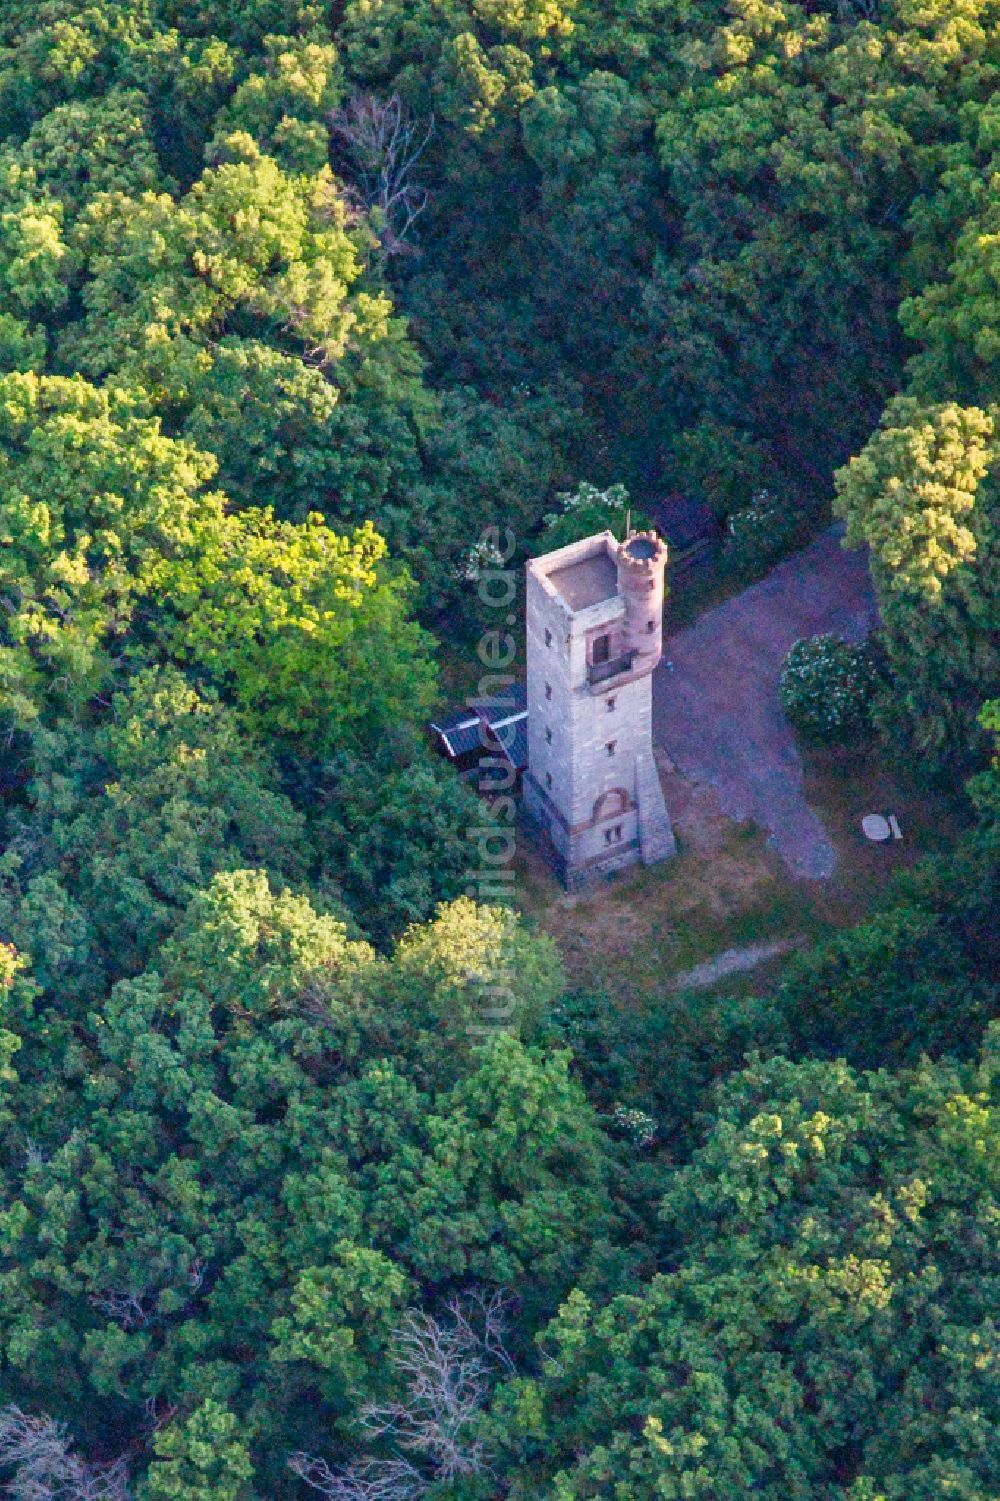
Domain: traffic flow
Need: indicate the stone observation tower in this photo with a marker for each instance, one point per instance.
(595, 634)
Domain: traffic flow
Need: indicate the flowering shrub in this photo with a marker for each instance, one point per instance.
(587, 510)
(637, 1126)
(481, 558)
(826, 687)
(759, 534)
(585, 496)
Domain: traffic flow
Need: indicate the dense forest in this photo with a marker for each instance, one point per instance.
(299, 299)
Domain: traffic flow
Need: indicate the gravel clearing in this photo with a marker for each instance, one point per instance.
(717, 712)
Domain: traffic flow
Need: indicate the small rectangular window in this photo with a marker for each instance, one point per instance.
(548, 779)
(548, 735)
(611, 705)
(610, 747)
(611, 836)
(651, 626)
(548, 690)
(601, 650)
(548, 638)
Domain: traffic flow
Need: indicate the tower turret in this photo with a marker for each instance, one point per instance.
(642, 561)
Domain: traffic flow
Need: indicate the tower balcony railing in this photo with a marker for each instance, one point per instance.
(600, 672)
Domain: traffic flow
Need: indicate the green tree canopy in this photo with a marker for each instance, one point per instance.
(247, 1189)
(95, 496)
(135, 819)
(921, 496)
(290, 621)
(825, 1327)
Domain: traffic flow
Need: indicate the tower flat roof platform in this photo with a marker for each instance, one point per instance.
(586, 582)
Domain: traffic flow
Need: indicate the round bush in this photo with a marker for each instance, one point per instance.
(826, 688)
(759, 535)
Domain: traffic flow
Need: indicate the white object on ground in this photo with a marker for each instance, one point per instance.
(875, 827)
(897, 832)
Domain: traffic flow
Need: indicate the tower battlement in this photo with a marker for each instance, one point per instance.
(594, 637)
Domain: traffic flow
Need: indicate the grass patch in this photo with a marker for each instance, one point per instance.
(632, 935)
(843, 784)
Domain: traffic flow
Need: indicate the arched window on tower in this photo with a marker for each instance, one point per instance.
(610, 804)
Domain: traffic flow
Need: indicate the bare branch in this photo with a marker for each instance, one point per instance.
(159, 1413)
(39, 1451)
(492, 1315)
(446, 1371)
(124, 1309)
(447, 1367)
(131, 1310)
(381, 147)
(371, 1480)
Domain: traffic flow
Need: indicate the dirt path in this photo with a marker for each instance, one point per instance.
(732, 962)
(716, 710)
